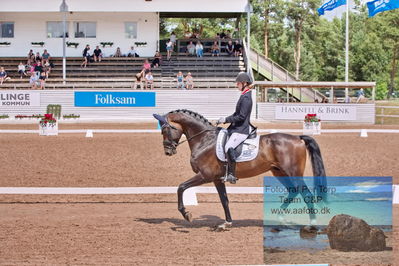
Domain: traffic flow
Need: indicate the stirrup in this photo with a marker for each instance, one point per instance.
(229, 178)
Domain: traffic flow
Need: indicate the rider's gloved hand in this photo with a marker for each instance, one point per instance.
(221, 120)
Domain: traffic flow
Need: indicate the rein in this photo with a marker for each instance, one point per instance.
(190, 138)
(173, 144)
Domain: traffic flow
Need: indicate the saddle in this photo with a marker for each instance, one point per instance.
(246, 151)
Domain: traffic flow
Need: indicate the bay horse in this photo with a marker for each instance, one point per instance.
(282, 154)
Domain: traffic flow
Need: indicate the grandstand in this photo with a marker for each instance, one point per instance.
(118, 73)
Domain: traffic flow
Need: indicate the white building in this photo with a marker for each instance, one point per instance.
(122, 22)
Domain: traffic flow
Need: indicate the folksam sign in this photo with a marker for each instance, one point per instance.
(114, 99)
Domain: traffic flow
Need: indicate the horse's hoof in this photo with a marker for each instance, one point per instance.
(188, 217)
(223, 227)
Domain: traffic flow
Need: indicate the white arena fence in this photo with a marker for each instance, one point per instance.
(189, 196)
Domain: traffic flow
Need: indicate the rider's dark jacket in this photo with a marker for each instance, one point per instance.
(240, 119)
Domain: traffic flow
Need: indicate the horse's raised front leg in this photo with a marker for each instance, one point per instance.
(192, 182)
(221, 188)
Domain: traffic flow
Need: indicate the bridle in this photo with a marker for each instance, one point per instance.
(170, 143)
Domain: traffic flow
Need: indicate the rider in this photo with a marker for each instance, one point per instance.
(240, 126)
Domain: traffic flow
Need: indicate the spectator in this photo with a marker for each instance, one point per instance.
(237, 49)
(199, 49)
(146, 66)
(180, 80)
(3, 75)
(157, 59)
(42, 79)
(169, 49)
(132, 52)
(118, 52)
(21, 69)
(38, 57)
(38, 68)
(86, 56)
(228, 34)
(33, 80)
(230, 48)
(139, 80)
(222, 35)
(173, 38)
(31, 58)
(149, 80)
(97, 54)
(45, 57)
(190, 48)
(215, 50)
(189, 81)
(47, 69)
(217, 37)
(360, 95)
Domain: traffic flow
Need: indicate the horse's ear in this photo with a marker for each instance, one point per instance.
(160, 118)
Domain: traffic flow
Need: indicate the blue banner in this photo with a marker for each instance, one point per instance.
(114, 99)
(330, 5)
(377, 6)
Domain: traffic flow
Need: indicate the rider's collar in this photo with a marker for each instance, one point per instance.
(245, 91)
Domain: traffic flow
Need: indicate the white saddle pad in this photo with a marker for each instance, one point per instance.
(249, 150)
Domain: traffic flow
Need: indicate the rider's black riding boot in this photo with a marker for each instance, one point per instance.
(231, 166)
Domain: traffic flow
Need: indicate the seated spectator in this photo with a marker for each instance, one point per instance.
(45, 57)
(215, 50)
(217, 37)
(31, 57)
(157, 60)
(3, 75)
(38, 57)
(33, 80)
(47, 69)
(230, 48)
(42, 79)
(237, 49)
(180, 80)
(86, 56)
(146, 66)
(190, 48)
(132, 52)
(228, 34)
(38, 67)
(97, 54)
(118, 52)
(21, 69)
(189, 81)
(199, 49)
(149, 80)
(222, 35)
(139, 80)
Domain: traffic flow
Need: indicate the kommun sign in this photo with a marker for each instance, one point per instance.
(19, 99)
(326, 112)
(114, 99)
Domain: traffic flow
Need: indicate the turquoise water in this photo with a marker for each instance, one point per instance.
(367, 198)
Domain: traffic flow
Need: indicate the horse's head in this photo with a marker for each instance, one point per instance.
(171, 133)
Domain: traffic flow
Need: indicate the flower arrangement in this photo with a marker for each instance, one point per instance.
(69, 44)
(4, 116)
(48, 120)
(28, 116)
(70, 116)
(103, 44)
(311, 118)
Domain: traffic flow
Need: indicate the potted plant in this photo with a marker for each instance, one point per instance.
(41, 44)
(48, 126)
(103, 44)
(140, 44)
(70, 44)
(312, 124)
(71, 116)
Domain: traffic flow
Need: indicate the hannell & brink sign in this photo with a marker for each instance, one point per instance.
(327, 112)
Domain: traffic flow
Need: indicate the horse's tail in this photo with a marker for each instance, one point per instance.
(319, 173)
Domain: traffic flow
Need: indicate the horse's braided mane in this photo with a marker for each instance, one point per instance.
(193, 114)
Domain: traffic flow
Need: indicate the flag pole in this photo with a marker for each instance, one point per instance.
(347, 49)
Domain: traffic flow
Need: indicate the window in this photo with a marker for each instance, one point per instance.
(131, 30)
(7, 29)
(85, 29)
(55, 29)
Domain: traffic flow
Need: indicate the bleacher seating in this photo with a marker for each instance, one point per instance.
(118, 73)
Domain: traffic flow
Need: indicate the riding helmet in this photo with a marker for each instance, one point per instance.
(243, 77)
